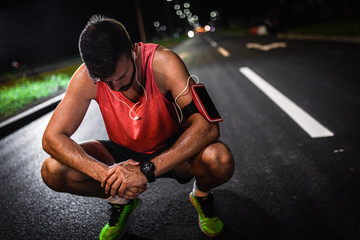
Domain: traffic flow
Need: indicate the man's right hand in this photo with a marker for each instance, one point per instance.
(125, 180)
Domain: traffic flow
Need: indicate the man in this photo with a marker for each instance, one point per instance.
(135, 86)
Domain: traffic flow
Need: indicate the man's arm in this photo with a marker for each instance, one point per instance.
(64, 122)
(200, 132)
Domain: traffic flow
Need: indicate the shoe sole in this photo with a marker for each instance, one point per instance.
(199, 222)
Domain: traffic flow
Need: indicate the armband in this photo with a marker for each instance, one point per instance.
(189, 110)
(202, 104)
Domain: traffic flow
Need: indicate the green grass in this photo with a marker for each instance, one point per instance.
(16, 96)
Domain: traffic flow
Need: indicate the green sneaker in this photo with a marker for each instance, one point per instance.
(209, 221)
(116, 227)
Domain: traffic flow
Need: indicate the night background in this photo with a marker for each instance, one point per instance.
(38, 32)
(283, 74)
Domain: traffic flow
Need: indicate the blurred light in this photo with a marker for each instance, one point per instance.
(169, 0)
(163, 28)
(186, 5)
(15, 64)
(186, 11)
(212, 29)
(156, 24)
(207, 28)
(213, 14)
(199, 30)
(191, 34)
(178, 12)
(182, 15)
(195, 17)
(177, 7)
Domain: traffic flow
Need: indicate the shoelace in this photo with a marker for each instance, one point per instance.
(207, 206)
(115, 213)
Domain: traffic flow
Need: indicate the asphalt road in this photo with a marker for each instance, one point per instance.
(286, 185)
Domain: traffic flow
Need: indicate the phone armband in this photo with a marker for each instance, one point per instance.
(204, 104)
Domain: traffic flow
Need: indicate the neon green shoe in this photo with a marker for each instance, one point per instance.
(209, 221)
(116, 227)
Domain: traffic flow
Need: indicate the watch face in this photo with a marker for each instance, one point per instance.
(147, 167)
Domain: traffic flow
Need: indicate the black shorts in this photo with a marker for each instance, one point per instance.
(121, 154)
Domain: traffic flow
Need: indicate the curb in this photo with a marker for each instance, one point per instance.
(14, 123)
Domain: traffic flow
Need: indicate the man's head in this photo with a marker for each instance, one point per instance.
(102, 43)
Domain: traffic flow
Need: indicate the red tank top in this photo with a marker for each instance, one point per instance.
(157, 121)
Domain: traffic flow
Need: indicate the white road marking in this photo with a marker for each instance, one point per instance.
(266, 47)
(303, 119)
(214, 44)
(223, 52)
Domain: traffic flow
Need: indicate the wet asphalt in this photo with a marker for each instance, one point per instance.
(286, 185)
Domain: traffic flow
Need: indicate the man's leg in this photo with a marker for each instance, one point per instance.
(62, 178)
(213, 166)
(65, 179)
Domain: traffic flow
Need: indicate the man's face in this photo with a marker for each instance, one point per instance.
(124, 75)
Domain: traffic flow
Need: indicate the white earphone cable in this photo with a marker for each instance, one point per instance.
(132, 108)
(176, 105)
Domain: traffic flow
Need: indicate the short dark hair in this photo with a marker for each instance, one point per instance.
(102, 42)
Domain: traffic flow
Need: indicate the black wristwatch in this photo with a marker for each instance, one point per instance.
(148, 168)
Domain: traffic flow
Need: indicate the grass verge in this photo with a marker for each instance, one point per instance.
(16, 96)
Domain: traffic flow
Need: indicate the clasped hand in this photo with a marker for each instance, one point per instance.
(125, 180)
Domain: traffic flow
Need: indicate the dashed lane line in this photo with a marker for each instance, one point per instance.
(221, 50)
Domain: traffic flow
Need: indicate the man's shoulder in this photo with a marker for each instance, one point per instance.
(170, 69)
(164, 56)
(82, 84)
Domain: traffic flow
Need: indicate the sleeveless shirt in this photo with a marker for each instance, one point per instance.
(157, 122)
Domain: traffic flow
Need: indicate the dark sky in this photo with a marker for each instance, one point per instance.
(44, 31)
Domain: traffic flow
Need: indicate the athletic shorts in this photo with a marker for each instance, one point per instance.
(121, 154)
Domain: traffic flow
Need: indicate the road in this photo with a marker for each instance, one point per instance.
(286, 185)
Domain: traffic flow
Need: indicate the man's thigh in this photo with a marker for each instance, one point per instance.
(97, 150)
(93, 148)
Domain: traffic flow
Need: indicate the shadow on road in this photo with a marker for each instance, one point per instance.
(128, 236)
(244, 218)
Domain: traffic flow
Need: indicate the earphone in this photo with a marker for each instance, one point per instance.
(132, 108)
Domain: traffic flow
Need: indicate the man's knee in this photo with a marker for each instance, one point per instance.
(53, 174)
(219, 161)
